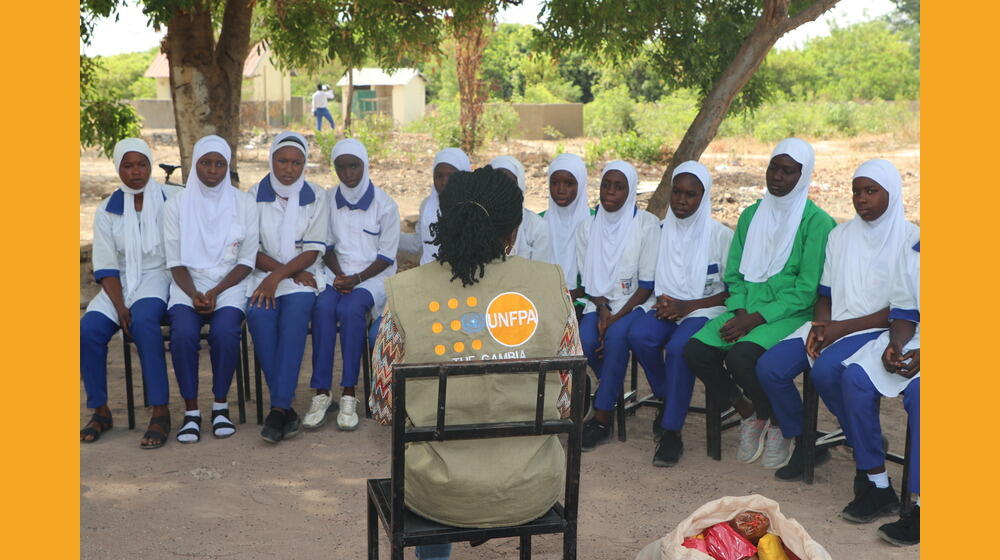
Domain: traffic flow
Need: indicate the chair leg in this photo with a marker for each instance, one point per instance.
(569, 542)
(259, 388)
(525, 547)
(245, 369)
(620, 415)
(240, 393)
(366, 370)
(810, 411)
(372, 530)
(129, 396)
(904, 492)
(713, 426)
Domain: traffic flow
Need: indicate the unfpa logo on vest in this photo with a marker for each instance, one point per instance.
(511, 319)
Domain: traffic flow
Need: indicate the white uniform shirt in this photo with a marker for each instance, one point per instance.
(241, 248)
(533, 238)
(310, 233)
(720, 237)
(319, 99)
(108, 256)
(361, 233)
(637, 266)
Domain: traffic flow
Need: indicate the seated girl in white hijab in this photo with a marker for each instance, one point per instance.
(288, 274)
(130, 266)
(567, 178)
(851, 310)
(616, 251)
(363, 238)
(446, 162)
(210, 237)
(533, 234)
(689, 291)
(772, 273)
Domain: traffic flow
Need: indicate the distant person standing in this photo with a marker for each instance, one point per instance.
(319, 101)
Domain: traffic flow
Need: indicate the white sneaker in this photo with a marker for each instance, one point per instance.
(347, 419)
(318, 410)
(777, 449)
(752, 433)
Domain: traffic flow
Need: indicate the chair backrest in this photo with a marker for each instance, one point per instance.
(572, 426)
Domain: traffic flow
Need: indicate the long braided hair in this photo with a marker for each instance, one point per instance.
(478, 209)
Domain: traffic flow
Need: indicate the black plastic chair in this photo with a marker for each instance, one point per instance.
(385, 495)
(366, 370)
(242, 374)
(814, 440)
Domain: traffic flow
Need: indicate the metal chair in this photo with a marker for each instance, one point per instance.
(242, 374)
(385, 495)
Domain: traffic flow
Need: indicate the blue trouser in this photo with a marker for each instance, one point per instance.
(279, 340)
(96, 331)
(861, 408)
(224, 328)
(670, 378)
(433, 551)
(779, 366)
(323, 113)
(611, 365)
(347, 314)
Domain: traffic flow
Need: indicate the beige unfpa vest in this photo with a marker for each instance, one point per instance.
(517, 310)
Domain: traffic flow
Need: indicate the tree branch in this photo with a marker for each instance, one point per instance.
(814, 10)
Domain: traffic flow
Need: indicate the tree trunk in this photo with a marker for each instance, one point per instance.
(470, 43)
(350, 101)
(773, 23)
(206, 77)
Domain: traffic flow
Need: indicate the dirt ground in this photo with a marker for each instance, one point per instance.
(304, 498)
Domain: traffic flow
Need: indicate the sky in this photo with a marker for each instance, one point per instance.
(130, 32)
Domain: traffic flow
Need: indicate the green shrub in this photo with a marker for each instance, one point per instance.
(497, 123)
(374, 131)
(629, 146)
(611, 112)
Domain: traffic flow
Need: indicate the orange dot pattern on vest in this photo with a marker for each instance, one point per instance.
(459, 346)
(452, 303)
(437, 328)
(471, 301)
(456, 324)
(477, 344)
(439, 349)
(434, 306)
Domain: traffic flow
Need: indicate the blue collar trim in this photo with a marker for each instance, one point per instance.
(265, 192)
(116, 204)
(363, 204)
(917, 247)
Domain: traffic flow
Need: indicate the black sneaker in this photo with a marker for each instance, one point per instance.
(905, 532)
(669, 450)
(657, 429)
(872, 503)
(860, 481)
(274, 426)
(796, 465)
(594, 434)
(292, 424)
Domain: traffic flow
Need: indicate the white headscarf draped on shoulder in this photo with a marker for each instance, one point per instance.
(608, 236)
(145, 237)
(563, 221)
(207, 213)
(868, 247)
(290, 192)
(682, 266)
(352, 147)
(511, 164)
(772, 231)
(455, 158)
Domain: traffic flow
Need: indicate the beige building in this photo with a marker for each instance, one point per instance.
(400, 94)
(262, 79)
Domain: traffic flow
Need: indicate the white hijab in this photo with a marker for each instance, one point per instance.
(206, 212)
(682, 266)
(608, 236)
(286, 248)
(772, 231)
(869, 248)
(564, 221)
(511, 164)
(350, 146)
(457, 159)
(144, 237)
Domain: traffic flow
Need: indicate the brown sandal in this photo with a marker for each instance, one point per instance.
(158, 438)
(103, 424)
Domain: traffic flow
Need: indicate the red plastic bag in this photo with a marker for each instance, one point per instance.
(724, 543)
(697, 543)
